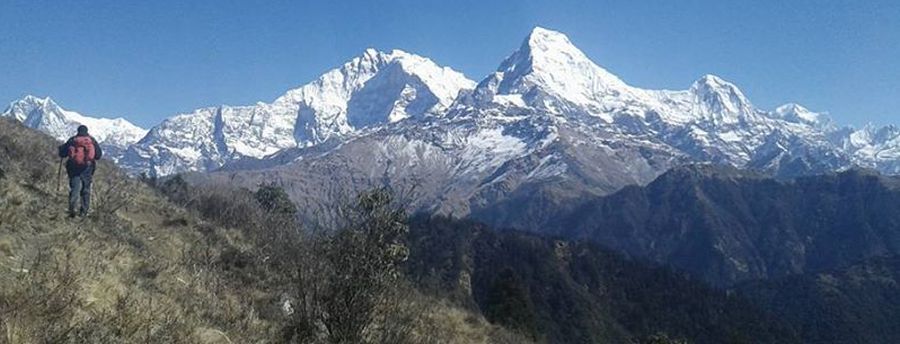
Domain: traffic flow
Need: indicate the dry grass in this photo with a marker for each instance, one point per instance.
(427, 319)
(123, 275)
(142, 269)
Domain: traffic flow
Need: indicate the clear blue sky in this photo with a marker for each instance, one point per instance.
(147, 60)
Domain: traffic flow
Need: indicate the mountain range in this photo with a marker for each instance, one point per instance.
(375, 88)
(687, 212)
(842, 286)
(548, 126)
(116, 135)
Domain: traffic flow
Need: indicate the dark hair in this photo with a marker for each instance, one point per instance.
(82, 130)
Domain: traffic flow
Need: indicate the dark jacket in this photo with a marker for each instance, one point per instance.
(72, 169)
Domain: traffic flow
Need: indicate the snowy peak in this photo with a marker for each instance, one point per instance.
(873, 147)
(875, 135)
(374, 88)
(540, 36)
(796, 113)
(406, 85)
(550, 52)
(443, 82)
(42, 114)
(371, 89)
(720, 99)
(550, 73)
(372, 57)
(713, 84)
(886, 133)
(545, 51)
(546, 85)
(46, 115)
(32, 107)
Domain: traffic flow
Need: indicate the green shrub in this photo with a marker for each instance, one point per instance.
(274, 200)
(176, 189)
(509, 304)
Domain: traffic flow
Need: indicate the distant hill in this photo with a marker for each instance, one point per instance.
(577, 292)
(859, 303)
(726, 225)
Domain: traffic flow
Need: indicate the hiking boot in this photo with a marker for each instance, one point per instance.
(71, 214)
(82, 213)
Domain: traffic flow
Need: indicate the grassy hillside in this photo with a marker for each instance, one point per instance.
(129, 272)
(144, 269)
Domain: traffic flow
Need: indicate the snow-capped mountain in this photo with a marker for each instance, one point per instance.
(710, 121)
(873, 147)
(550, 126)
(45, 115)
(369, 90)
(549, 73)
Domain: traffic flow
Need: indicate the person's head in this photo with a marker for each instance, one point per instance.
(82, 130)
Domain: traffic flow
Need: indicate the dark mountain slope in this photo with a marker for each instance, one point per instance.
(575, 292)
(726, 225)
(855, 304)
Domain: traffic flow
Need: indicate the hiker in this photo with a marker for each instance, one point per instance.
(82, 151)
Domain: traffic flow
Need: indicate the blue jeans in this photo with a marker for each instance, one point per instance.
(80, 189)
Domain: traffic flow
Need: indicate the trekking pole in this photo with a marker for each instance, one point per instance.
(59, 174)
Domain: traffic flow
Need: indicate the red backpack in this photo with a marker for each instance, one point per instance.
(81, 152)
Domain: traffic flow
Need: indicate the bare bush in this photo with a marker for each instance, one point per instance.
(339, 286)
(266, 217)
(42, 296)
(27, 149)
(133, 320)
(221, 204)
(339, 297)
(112, 194)
(150, 180)
(42, 300)
(41, 304)
(176, 189)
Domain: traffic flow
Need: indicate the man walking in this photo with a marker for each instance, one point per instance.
(82, 152)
